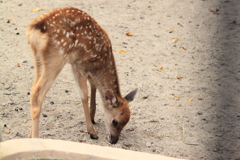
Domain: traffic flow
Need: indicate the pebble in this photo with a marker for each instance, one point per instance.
(52, 102)
(148, 144)
(199, 113)
(44, 115)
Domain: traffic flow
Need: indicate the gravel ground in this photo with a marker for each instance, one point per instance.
(188, 103)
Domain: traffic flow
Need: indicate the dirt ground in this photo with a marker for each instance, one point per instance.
(188, 108)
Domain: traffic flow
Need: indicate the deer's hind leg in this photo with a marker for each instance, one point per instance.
(48, 64)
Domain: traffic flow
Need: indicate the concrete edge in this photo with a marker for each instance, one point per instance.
(59, 149)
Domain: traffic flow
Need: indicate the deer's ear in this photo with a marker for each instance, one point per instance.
(111, 99)
(130, 96)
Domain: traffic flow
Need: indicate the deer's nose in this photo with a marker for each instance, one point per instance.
(112, 139)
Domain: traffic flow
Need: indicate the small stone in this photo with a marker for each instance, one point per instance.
(66, 91)
(145, 97)
(28, 93)
(24, 61)
(44, 115)
(52, 102)
(199, 113)
(20, 109)
(5, 125)
(17, 33)
(148, 144)
(16, 109)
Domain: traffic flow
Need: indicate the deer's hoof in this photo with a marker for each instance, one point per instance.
(93, 136)
(93, 122)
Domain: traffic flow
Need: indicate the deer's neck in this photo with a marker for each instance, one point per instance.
(107, 78)
(112, 81)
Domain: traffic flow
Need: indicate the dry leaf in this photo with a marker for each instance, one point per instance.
(160, 69)
(122, 51)
(179, 77)
(37, 10)
(128, 34)
(8, 131)
(190, 100)
(176, 98)
(184, 48)
(175, 40)
(180, 24)
(19, 65)
(170, 31)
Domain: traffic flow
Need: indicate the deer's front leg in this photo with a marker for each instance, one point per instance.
(81, 80)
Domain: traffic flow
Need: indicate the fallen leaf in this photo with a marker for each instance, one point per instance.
(193, 57)
(128, 34)
(179, 77)
(37, 10)
(160, 69)
(175, 40)
(180, 24)
(122, 51)
(190, 100)
(170, 31)
(8, 131)
(9, 20)
(184, 48)
(216, 11)
(19, 65)
(176, 98)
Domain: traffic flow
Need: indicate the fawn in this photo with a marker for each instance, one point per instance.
(70, 35)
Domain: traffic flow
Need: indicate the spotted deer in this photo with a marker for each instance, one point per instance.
(71, 35)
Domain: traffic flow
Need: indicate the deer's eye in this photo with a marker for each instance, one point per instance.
(114, 122)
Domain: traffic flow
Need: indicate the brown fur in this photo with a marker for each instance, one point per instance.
(70, 35)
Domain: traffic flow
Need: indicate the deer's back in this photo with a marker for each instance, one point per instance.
(73, 34)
